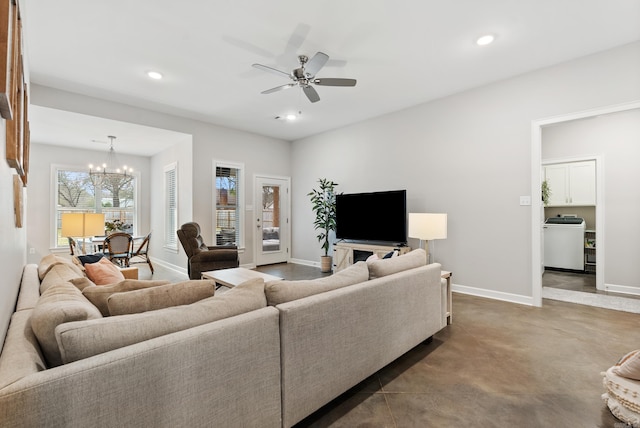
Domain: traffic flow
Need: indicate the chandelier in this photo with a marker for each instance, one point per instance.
(109, 170)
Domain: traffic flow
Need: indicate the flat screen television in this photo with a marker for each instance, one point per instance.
(376, 216)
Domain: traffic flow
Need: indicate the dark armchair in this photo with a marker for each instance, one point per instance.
(202, 258)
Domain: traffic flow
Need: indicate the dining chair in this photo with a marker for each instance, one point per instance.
(73, 247)
(118, 248)
(141, 254)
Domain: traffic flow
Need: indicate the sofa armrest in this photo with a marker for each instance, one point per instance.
(217, 254)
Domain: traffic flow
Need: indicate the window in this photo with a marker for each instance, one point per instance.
(76, 191)
(228, 215)
(171, 206)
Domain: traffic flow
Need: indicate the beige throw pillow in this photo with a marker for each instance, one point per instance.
(383, 267)
(59, 304)
(99, 294)
(59, 273)
(285, 291)
(83, 339)
(629, 365)
(162, 296)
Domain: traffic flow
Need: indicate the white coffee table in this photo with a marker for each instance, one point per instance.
(236, 276)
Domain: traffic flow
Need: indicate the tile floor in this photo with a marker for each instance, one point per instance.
(499, 365)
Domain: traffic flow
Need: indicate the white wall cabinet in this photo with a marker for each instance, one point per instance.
(571, 184)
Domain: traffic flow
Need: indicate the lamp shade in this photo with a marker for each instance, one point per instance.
(72, 224)
(82, 224)
(428, 226)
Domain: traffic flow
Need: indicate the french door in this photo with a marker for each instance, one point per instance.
(272, 229)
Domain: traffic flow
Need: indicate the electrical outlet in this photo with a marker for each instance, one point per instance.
(525, 200)
(32, 250)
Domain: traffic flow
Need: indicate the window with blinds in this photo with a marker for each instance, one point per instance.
(75, 192)
(228, 212)
(171, 206)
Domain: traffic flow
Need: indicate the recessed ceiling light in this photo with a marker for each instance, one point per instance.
(485, 40)
(154, 75)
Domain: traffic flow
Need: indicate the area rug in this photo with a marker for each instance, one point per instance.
(592, 299)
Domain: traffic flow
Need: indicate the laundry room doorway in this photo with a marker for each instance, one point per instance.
(609, 136)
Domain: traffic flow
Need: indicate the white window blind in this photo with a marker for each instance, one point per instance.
(171, 206)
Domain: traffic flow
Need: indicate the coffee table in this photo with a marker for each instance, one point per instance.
(236, 276)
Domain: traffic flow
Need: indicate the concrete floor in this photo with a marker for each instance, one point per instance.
(499, 365)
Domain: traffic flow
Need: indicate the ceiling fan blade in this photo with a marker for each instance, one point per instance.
(278, 88)
(311, 94)
(335, 82)
(271, 70)
(316, 63)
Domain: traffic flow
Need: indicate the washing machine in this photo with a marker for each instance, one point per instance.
(564, 242)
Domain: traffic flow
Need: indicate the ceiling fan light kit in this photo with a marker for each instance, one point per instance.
(305, 76)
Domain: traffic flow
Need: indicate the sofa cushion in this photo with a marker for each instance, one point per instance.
(99, 294)
(59, 304)
(285, 291)
(83, 339)
(50, 260)
(59, 273)
(162, 296)
(21, 354)
(383, 267)
(103, 272)
(81, 283)
(629, 366)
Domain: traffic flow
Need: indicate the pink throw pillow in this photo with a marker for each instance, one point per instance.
(103, 272)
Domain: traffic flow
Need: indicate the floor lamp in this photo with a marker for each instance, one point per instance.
(82, 225)
(427, 227)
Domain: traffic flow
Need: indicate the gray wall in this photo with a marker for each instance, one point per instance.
(615, 138)
(468, 155)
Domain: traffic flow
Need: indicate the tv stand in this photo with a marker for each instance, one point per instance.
(347, 253)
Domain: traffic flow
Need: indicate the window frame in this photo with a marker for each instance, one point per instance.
(240, 198)
(53, 193)
(170, 240)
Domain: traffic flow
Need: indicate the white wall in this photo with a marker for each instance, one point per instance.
(39, 215)
(12, 243)
(468, 155)
(182, 154)
(615, 138)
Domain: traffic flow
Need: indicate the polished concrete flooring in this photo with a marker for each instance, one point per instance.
(498, 365)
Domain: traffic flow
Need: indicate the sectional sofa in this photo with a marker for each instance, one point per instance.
(254, 356)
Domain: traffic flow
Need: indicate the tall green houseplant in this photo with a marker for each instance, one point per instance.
(323, 200)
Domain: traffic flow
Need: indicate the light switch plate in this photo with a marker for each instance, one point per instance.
(525, 200)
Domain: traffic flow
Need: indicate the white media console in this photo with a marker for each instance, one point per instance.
(347, 253)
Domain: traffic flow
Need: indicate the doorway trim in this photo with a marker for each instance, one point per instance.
(536, 203)
(257, 203)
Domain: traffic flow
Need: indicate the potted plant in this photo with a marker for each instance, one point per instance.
(546, 192)
(323, 200)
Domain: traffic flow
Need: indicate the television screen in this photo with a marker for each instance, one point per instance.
(376, 216)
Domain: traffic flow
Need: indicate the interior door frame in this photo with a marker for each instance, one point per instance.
(257, 203)
(536, 202)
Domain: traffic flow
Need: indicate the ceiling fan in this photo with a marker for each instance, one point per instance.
(305, 75)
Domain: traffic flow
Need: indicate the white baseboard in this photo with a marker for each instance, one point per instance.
(491, 294)
(624, 289)
(170, 266)
(305, 262)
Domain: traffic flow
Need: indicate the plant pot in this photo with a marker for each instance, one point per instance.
(325, 263)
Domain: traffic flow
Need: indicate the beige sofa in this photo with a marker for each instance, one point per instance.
(267, 366)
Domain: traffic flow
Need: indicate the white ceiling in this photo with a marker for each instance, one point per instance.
(402, 52)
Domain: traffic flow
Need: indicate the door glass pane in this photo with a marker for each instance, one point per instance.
(270, 218)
